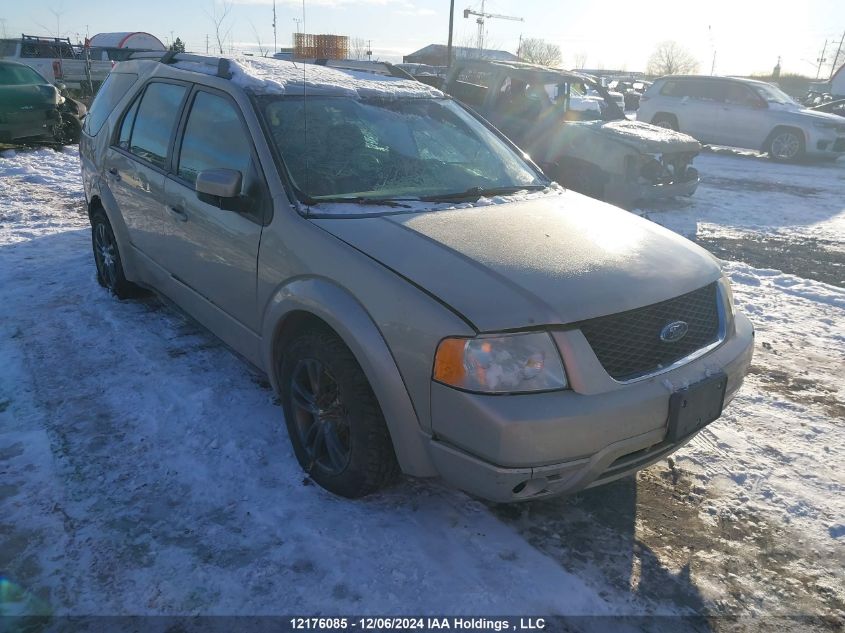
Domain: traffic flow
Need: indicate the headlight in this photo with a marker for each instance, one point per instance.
(510, 363)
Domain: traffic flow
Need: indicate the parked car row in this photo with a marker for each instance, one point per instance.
(742, 113)
(33, 110)
(422, 297)
(578, 134)
(57, 60)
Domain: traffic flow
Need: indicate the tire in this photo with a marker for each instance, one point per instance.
(786, 145)
(668, 121)
(333, 418)
(110, 273)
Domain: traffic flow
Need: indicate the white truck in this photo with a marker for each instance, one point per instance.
(58, 61)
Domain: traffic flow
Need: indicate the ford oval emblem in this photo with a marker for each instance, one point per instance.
(674, 331)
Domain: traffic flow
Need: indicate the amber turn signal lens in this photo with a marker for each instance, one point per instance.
(449, 361)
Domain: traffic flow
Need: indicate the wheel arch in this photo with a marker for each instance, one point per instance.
(101, 198)
(308, 301)
(783, 127)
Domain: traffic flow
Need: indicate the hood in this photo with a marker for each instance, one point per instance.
(645, 137)
(550, 261)
(15, 97)
(828, 117)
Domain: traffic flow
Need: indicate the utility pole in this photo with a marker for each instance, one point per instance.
(275, 46)
(836, 57)
(451, 27)
(206, 43)
(370, 50)
(713, 46)
(821, 60)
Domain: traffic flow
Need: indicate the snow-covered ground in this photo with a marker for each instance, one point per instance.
(145, 469)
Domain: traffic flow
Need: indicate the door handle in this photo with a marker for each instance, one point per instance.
(177, 213)
(114, 173)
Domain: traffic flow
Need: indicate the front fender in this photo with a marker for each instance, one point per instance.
(326, 300)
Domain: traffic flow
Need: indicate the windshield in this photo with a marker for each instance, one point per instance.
(773, 95)
(405, 149)
(15, 75)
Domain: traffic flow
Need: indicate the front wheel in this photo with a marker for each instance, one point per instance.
(333, 418)
(786, 146)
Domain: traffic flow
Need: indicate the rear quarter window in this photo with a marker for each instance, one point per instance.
(112, 91)
(673, 89)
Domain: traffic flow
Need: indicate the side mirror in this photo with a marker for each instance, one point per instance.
(760, 105)
(62, 88)
(220, 183)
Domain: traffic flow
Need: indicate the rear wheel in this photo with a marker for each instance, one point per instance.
(668, 121)
(786, 145)
(333, 418)
(107, 258)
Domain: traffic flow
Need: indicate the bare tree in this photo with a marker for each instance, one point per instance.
(357, 48)
(670, 58)
(261, 49)
(539, 51)
(580, 60)
(220, 18)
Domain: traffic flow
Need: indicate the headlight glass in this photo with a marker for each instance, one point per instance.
(511, 363)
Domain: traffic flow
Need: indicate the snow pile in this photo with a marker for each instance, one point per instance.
(272, 76)
(740, 195)
(41, 193)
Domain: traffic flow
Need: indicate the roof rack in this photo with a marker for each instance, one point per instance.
(45, 39)
(171, 57)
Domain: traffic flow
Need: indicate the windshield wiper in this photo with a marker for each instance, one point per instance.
(478, 192)
(362, 200)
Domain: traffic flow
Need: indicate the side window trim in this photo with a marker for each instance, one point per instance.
(114, 141)
(176, 149)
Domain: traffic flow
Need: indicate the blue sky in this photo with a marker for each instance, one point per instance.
(747, 35)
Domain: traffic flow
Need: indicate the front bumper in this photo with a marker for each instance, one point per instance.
(519, 447)
(36, 125)
(626, 193)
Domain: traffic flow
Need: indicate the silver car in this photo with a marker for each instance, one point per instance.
(742, 113)
(422, 298)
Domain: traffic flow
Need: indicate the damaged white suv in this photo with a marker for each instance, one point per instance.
(420, 295)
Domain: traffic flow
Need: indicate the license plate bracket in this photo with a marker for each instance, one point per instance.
(694, 407)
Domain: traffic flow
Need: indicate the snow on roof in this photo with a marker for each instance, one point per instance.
(273, 76)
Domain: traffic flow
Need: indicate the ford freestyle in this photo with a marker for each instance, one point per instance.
(422, 298)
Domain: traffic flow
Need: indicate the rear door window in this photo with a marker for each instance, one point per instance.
(112, 91)
(155, 120)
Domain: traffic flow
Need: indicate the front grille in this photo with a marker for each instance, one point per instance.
(628, 344)
(839, 145)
